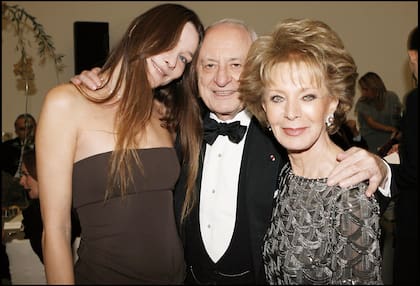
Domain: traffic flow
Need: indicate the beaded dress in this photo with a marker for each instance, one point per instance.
(322, 235)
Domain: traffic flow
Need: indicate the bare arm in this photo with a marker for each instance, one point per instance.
(379, 126)
(55, 145)
(357, 165)
(88, 78)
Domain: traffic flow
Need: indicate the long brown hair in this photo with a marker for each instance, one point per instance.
(186, 113)
(153, 32)
(29, 159)
(374, 82)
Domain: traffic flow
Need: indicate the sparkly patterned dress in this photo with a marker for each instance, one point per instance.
(322, 235)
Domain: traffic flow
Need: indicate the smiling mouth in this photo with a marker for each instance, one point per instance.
(294, 131)
(224, 92)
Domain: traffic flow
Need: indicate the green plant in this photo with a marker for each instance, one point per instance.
(21, 22)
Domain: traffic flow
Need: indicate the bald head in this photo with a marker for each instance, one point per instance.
(221, 58)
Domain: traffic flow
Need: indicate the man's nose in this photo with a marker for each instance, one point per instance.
(223, 76)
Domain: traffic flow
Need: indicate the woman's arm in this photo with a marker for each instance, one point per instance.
(356, 234)
(55, 148)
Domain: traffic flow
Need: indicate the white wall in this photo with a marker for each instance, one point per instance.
(374, 32)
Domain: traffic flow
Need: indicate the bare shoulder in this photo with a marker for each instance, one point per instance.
(61, 107)
(62, 96)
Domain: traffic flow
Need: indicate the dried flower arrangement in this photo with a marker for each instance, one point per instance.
(22, 21)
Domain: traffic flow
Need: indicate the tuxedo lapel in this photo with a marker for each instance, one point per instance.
(260, 167)
(260, 164)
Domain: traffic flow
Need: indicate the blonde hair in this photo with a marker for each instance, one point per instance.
(306, 42)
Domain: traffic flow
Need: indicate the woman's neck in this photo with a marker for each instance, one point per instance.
(316, 162)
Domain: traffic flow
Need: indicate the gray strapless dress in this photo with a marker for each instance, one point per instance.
(130, 240)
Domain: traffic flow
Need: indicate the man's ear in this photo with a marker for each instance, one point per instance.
(413, 56)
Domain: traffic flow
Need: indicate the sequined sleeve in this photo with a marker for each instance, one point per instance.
(355, 238)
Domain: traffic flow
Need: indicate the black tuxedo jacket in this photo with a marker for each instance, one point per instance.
(405, 179)
(261, 162)
(404, 183)
(404, 189)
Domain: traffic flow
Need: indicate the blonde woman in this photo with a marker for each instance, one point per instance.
(300, 81)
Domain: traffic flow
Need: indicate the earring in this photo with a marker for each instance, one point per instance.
(269, 127)
(330, 120)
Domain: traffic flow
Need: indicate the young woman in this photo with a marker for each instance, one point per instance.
(111, 153)
(300, 81)
(378, 111)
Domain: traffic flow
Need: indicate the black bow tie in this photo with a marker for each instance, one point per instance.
(234, 130)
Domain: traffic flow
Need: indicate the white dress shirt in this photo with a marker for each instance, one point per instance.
(385, 188)
(219, 190)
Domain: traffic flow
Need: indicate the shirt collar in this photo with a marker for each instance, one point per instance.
(243, 116)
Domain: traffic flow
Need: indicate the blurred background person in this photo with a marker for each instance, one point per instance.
(378, 111)
(32, 220)
(405, 186)
(25, 127)
(11, 157)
